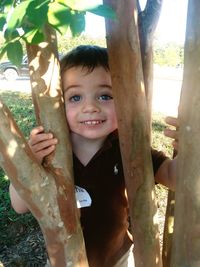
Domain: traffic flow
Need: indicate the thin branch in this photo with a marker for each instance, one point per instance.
(138, 6)
(148, 18)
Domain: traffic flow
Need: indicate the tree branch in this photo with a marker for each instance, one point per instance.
(50, 112)
(127, 80)
(40, 191)
(148, 19)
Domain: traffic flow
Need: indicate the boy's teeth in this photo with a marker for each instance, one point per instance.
(92, 122)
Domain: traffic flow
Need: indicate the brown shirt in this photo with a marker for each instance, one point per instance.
(105, 222)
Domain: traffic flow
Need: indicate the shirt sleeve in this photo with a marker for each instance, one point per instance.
(158, 157)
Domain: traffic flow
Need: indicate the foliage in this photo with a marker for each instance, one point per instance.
(65, 44)
(26, 21)
(169, 54)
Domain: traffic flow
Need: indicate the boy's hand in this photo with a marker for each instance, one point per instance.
(41, 144)
(172, 132)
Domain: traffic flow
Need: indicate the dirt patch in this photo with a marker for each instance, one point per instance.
(28, 250)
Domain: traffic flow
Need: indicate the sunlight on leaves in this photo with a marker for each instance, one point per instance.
(25, 21)
(77, 23)
(59, 17)
(17, 15)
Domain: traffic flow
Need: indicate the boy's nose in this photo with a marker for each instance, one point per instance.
(90, 106)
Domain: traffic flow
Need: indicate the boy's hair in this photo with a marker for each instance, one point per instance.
(86, 56)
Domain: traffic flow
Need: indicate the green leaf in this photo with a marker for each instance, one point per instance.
(17, 16)
(2, 51)
(86, 5)
(10, 34)
(77, 23)
(2, 22)
(104, 11)
(5, 4)
(36, 12)
(59, 16)
(78, 5)
(35, 36)
(15, 52)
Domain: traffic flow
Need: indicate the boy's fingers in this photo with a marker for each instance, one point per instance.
(43, 145)
(40, 137)
(36, 130)
(172, 121)
(46, 151)
(43, 153)
(175, 145)
(171, 133)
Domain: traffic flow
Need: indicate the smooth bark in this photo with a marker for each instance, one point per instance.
(168, 229)
(39, 189)
(48, 190)
(186, 241)
(50, 112)
(147, 23)
(129, 94)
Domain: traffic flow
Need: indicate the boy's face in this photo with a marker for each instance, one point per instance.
(89, 103)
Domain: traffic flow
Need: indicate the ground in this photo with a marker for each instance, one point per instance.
(27, 248)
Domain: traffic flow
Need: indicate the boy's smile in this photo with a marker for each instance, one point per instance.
(89, 103)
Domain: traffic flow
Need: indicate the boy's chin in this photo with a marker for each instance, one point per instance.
(91, 136)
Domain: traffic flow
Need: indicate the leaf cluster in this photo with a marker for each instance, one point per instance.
(25, 20)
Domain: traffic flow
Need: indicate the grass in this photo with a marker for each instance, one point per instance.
(159, 141)
(21, 106)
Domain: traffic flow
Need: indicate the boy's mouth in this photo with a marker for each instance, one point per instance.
(92, 122)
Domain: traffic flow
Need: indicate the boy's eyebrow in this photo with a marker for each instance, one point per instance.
(105, 85)
(71, 86)
(78, 86)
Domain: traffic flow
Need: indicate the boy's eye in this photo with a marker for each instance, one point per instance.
(105, 97)
(75, 98)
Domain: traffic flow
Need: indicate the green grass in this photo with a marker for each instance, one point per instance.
(159, 141)
(21, 106)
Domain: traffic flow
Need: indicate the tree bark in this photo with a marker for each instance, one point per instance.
(130, 102)
(48, 190)
(168, 230)
(186, 241)
(40, 191)
(147, 22)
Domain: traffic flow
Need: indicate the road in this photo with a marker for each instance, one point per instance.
(167, 87)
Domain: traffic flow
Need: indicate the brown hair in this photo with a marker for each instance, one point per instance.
(87, 56)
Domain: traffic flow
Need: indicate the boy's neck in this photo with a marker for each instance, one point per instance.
(84, 148)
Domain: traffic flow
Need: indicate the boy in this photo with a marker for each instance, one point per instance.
(97, 161)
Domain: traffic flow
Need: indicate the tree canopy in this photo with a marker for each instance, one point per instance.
(25, 21)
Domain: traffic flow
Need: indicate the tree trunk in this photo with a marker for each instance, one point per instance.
(168, 230)
(186, 241)
(147, 22)
(128, 89)
(49, 190)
